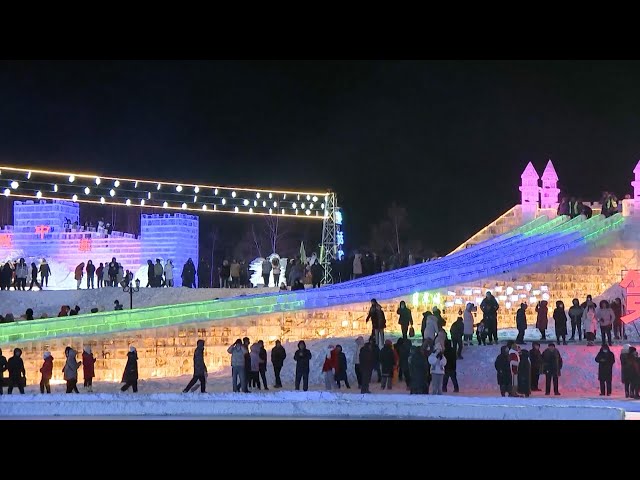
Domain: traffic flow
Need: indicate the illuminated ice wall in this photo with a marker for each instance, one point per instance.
(170, 236)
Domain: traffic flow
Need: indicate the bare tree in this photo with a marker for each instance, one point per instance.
(256, 240)
(274, 232)
(397, 216)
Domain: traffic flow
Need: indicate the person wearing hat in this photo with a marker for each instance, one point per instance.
(130, 374)
(70, 370)
(47, 372)
(199, 368)
(118, 305)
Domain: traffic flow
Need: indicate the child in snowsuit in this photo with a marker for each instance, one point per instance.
(481, 333)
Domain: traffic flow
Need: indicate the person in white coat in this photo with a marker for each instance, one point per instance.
(168, 273)
(467, 319)
(357, 265)
(589, 322)
(437, 361)
(431, 326)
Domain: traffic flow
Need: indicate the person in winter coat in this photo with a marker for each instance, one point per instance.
(450, 368)
(130, 374)
(266, 271)
(535, 357)
(199, 369)
(275, 268)
(376, 359)
(618, 324)
(150, 275)
(560, 320)
(262, 365)
(403, 349)
(254, 353)
(457, 332)
(247, 359)
(99, 275)
(189, 274)
(489, 307)
(366, 365)
(168, 273)
(404, 319)
(106, 280)
(590, 321)
(552, 368)
(356, 360)
(158, 271)
(521, 323)
(378, 321)
(503, 371)
(357, 266)
(429, 325)
(514, 363)
(575, 315)
(387, 364)
(418, 366)
(91, 270)
(70, 370)
(34, 277)
(79, 273)
(438, 362)
(524, 374)
(278, 354)
(542, 319)
(3, 368)
(88, 362)
(441, 336)
(17, 374)
(22, 270)
(467, 318)
(341, 367)
(605, 360)
(45, 271)
(328, 367)
(302, 357)
(605, 317)
(47, 372)
(317, 272)
(481, 333)
(238, 374)
(626, 369)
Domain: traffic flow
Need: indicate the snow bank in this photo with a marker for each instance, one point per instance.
(299, 405)
(48, 302)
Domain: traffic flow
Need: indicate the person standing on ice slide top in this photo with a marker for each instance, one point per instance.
(45, 271)
(489, 307)
(378, 321)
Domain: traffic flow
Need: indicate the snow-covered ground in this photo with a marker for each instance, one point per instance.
(48, 302)
(478, 398)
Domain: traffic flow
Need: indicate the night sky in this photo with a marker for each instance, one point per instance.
(448, 140)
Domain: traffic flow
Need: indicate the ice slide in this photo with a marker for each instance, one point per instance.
(535, 241)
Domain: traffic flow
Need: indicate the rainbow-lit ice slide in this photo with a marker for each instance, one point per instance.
(535, 241)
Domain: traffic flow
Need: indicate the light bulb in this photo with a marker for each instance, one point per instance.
(302, 205)
(14, 184)
(142, 202)
(148, 195)
(233, 194)
(264, 203)
(28, 175)
(270, 211)
(116, 183)
(235, 209)
(165, 204)
(98, 180)
(72, 178)
(295, 205)
(251, 210)
(87, 190)
(283, 211)
(255, 203)
(308, 212)
(39, 194)
(315, 199)
(224, 202)
(204, 207)
(7, 192)
(102, 200)
(135, 185)
(257, 194)
(184, 206)
(159, 186)
(74, 198)
(195, 198)
(311, 205)
(308, 197)
(112, 192)
(55, 188)
(275, 204)
(270, 195)
(197, 189)
(215, 192)
(245, 202)
(179, 188)
(128, 202)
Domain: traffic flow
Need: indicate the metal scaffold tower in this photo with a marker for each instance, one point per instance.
(329, 247)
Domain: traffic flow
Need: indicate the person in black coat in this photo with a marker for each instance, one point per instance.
(524, 374)
(150, 275)
(551, 367)
(404, 319)
(341, 367)
(403, 348)
(521, 323)
(262, 366)
(387, 362)
(199, 368)
(316, 274)
(457, 332)
(366, 365)
(3, 367)
(560, 319)
(503, 371)
(302, 358)
(450, 368)
(605, 359)
(535, 357)
(17, 375)
(130, 375)
(278, 354)
(419, 370)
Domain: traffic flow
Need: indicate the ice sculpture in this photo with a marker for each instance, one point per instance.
(550, 190)
(529, 191)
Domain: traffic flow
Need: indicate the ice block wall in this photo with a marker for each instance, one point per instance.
(170, 236)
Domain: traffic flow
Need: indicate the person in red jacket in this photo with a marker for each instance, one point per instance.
(329, 366)
(47, 372)
(88, 360)
(78, 274)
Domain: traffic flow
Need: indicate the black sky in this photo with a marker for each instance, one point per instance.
(447, 139)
